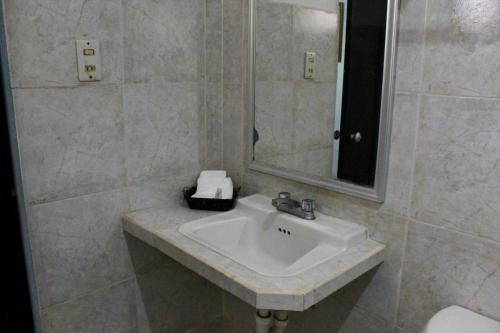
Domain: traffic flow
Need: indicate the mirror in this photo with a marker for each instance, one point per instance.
(320, 92)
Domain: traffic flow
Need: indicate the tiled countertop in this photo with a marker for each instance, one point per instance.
(158, 227)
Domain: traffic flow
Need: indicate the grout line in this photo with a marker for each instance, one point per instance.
(205, 83)
(424, 45)
(221, 87)
(401, 272)
(90, 293)
(430, 94)
(456, 231)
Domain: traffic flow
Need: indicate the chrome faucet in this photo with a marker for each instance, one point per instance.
(285, 203)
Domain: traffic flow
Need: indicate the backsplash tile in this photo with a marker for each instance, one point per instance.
(161, 129)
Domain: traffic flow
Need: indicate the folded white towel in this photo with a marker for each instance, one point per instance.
(227, 189)
(213, 174)
(214, 185)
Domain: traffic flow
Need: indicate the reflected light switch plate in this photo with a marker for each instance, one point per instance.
(309, 66)
(89, 60)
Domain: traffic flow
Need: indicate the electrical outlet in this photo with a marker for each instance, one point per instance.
(89, 60)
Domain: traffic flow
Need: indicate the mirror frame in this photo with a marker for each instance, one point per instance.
(377, 193)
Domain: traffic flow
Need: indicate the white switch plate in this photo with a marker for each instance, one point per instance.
(89, 60)
(309, 66)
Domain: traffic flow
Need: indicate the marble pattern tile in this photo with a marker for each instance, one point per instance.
(457, 171)
(315, 31)
(110, 309)
(214, 40)
(410, 45)
(273, 37)
(462, 46)
(234, 48)
(164, 40)
(233, 131)
(162, 130)
(402, 153)
(332, 315)
(314, 116)
(443, 268)
(214, 125)
(314, 161)
(42, 49)
(377, 292)
(160, 192)
(78, 245)
(274, 117)
(71, 141)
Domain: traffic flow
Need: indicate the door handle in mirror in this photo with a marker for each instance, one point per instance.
(357, 137)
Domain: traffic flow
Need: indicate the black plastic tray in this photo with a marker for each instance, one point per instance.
(221, 205)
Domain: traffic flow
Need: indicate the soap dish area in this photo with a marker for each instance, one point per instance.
(221, 205)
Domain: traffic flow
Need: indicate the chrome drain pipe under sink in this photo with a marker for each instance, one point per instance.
(267, 321)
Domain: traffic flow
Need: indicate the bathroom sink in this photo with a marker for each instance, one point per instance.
(273, 243)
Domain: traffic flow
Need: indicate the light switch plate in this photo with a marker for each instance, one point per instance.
(89, 60)
(310, 65)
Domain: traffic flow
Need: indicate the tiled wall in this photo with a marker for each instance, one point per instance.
(441, 218)
(93, 151)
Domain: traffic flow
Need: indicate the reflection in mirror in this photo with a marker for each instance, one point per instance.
(318, 78)
(295, 79)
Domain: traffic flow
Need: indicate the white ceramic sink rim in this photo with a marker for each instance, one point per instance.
(273, 243)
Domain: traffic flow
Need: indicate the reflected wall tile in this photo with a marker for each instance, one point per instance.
(214, 40)
(233, 155)
(111, 309)
(162, 130)
(71, 141)
(164, 40)
(315, 31)
(314, 116)
(78, 245)
(462, 48)
(402, 154)
(273, 29)
(274, 117)
(42, 49)
(410, 45)
(457, 172)
(314, 161)
(214, 123)
(443, 268)
(233, 44)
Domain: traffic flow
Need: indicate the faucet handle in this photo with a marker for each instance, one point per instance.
(308, 205)
(284, 195)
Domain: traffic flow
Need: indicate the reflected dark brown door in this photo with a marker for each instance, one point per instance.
(365, 45)
(16, 308)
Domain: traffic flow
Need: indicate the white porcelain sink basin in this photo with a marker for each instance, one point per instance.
(273, 243)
